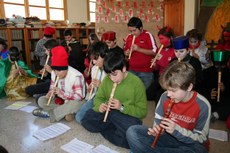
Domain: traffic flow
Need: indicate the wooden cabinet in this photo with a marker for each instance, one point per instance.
(26, 39)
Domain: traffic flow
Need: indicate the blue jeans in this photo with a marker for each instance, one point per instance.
(115, 127)
(84, 108)
(140, 142)
(146, 77)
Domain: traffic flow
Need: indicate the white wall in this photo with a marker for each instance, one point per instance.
(190, 15)
(77, 11)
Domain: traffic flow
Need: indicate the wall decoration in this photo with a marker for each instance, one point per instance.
(113, 15)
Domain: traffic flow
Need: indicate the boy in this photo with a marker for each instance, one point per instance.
(3, 49)
(181, 45)
(70, 88)
(76, 57)
(98, 52)
(126, 108)
(186, 128)
(109, 38)
(143, 48)
(40, 50)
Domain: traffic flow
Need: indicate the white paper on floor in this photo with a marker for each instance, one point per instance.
(218, 135)
(51, 131)
(28, 109)
(17, 105)
(76, 146)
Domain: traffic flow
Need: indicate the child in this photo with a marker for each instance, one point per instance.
(39, 50)
(76, 57)
(198, 49)
(98, 52)
(127, 107)
(15, 76)
(109, 38)
(221, 109)
(92, 38)
(186, 129)
(143, 49)
(70, 88)
(181, 45)
(165, 36)
(3, 49)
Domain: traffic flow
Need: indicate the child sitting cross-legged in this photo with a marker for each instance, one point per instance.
(184, 127)
(126, 107)
(70, 89)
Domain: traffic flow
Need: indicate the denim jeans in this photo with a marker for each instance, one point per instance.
(115, 127)
(146, 77)
(84, 108)
(140, 142)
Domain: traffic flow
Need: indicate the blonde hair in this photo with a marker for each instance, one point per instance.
(178, 75)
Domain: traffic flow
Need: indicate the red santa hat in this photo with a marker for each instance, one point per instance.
(59, 59)
(109, 36)
(49, 31)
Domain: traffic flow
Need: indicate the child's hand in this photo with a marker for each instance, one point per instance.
(213, 93)
(222, 87)
(49, 94)
(56, 90)
(168, 125)
(96, 83)
(114, 104)
(103, 107)
(135, 47)
(127, 52)
(154, 130)
(48, 68)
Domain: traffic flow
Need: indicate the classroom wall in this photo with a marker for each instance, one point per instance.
(190, 15)
(77, 12)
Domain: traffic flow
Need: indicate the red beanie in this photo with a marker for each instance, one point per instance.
(109, 35)
(228, 122)
(49, 31)
(59, 58)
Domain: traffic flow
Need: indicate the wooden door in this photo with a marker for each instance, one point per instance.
(174, 15)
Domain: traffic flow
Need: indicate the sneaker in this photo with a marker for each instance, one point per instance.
(40, 113)
(213, 118)
(69, 117)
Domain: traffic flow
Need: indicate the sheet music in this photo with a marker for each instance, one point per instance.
(218, 135)
(102, 149)
(77, 146)
(28, 109)
(17, 105)
(51, 131)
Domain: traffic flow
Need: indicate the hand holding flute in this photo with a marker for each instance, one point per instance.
(92, 85)
(131, 48)
(164, 123)
(111, 96)
(52, 92)
(218, 90)
(155, 58)
(44, 70)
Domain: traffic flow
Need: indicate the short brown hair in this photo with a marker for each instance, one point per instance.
(178, 75)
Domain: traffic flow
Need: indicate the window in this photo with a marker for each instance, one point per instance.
(92, 10)
(43, 9)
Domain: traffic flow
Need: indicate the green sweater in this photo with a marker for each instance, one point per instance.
(130, 92)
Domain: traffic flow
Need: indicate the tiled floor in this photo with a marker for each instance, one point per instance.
(17, 128)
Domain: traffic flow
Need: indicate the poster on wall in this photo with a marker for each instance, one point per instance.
(113, 15)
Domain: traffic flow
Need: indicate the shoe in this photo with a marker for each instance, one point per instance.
(40, 113)
(213, 118)
(69, 117)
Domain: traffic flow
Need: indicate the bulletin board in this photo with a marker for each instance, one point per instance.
(113, 15)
